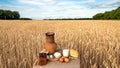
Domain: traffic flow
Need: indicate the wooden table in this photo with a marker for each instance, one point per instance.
(72, 64)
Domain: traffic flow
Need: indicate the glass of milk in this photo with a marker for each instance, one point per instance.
(66, 52)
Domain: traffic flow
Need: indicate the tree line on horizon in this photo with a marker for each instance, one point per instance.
(70, 19)
(108, 15)
(11, 15)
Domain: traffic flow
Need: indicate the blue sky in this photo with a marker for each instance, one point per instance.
(42, 9)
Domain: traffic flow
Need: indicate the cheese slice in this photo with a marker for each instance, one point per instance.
(73, 53)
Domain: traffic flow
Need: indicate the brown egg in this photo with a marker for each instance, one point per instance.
(66, 60)
(61, 59)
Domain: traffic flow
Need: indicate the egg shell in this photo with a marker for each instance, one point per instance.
(57, 55)
(61, 59)
(51, 56)
(48, 57)
(66, 60)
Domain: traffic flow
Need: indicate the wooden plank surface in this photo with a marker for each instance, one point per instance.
(71, 64)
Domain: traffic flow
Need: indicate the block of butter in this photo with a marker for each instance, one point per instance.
(73, 53)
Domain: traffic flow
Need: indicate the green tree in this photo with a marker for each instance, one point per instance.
(98, 16)
(25, 19)
(1, 14)
(108, 15)
(16, 15)
(117, 14)
(8, 14)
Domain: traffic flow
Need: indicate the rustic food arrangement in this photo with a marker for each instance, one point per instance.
(51, 53)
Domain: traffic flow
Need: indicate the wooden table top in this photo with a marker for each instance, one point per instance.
(72, 64)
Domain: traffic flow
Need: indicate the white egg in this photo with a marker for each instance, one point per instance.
(48, 57)
(51, 56)
(57, 55)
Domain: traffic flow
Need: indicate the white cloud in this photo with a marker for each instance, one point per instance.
(51, 1)
(13, 8)
(104, 5)
(85, 1)
(32, 2)
(113, 3)
(37, 2)
(75, 2)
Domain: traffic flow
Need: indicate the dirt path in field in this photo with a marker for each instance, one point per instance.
(71, 64)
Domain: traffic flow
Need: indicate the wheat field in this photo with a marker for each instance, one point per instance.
(98, 41)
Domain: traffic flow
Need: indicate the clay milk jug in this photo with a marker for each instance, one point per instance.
(50, 44)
